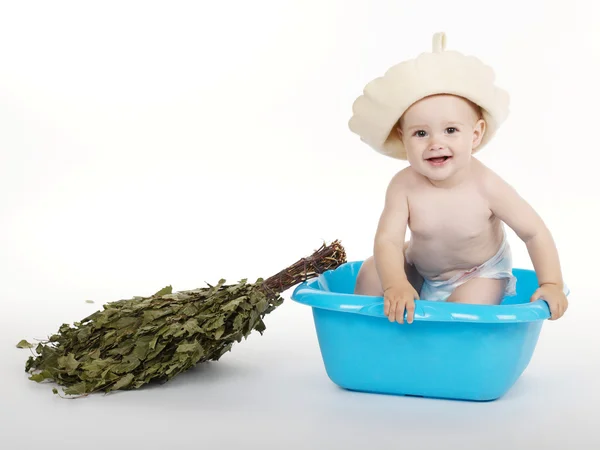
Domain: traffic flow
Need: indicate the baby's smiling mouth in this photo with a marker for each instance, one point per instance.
(438, 159)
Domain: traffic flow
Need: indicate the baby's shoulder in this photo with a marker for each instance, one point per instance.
(401, 185)
(486, 179)
(406, 178)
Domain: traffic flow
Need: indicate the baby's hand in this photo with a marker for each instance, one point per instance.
(555, 297)
(398, 298)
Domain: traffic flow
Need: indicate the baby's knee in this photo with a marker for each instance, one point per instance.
(367, 280)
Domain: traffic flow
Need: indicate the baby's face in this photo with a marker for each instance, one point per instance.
(439, 134)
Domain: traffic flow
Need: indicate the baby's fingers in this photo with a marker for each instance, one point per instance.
(561, 309)
(400, 311)
(554, 310)
(410, 311)
(392, 310)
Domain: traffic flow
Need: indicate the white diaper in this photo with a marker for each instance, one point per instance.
(498, 266)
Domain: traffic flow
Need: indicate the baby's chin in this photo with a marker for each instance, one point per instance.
(433, 176)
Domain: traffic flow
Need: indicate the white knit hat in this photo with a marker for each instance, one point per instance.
(385, 99)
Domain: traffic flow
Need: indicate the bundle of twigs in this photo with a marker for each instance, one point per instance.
(136, 341)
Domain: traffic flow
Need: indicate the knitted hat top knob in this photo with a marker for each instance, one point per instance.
(439, 42)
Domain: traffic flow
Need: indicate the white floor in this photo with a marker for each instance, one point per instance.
(272, 391)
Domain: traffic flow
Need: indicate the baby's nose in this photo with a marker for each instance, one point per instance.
(436, 146)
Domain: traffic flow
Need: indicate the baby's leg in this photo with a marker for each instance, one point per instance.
(484, 291)
(368, 283)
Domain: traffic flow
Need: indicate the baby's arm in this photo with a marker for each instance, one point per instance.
(506, 204)
(388, 252)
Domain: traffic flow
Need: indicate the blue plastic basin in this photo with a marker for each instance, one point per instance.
(451, 350)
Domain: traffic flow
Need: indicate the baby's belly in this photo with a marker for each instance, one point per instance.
(437, 259)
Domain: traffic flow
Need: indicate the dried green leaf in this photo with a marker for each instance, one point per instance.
(262, 305)
(129, 363)
(219, 333)
(79, 388)
(238, 322)
(123, 382)
(84, 334)
(24, 344)
(233, 304)
(142, 347)
(260, 327)
(154, 314)
(39, 377)
(156, 351)
(94, 368)
(188, 347)
(192, 327)
(152, 343)
(124, 322)
(189, 310)
(214, 323)
(68, 362)
(164, 291)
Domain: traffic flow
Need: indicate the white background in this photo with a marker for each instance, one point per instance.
(152, 143)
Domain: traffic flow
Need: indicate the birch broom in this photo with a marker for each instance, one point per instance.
(136, 341)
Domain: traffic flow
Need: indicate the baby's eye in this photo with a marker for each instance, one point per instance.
(420, 133)
(451, 130)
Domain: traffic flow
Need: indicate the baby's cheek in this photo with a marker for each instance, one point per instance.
(413, 157)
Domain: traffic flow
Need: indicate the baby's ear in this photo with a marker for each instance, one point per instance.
(478, 133)
(399, 131)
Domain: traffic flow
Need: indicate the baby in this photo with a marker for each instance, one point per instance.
(436, 112)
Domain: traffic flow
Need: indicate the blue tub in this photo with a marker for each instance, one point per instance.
(453, 351)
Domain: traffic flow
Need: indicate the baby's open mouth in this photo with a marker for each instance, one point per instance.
(439, 159)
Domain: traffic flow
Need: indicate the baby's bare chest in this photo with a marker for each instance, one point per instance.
(448, 215)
